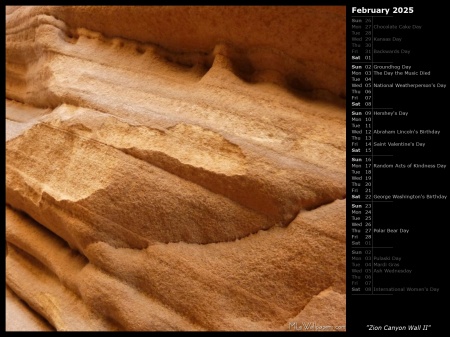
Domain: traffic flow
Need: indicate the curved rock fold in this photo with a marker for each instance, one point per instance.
(187, 179)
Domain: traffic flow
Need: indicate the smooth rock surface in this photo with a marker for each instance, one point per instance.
(19, 317)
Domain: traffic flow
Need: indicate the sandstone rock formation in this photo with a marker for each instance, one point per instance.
(175, 168)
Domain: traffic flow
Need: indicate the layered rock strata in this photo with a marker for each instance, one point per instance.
(176, 168)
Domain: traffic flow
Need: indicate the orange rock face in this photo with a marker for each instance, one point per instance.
(175, 168)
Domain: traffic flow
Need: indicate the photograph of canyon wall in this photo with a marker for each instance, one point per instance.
(175, 168)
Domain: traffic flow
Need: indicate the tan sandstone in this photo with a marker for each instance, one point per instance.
(175, 168)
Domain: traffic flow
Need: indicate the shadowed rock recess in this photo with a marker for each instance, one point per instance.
(175, 168)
